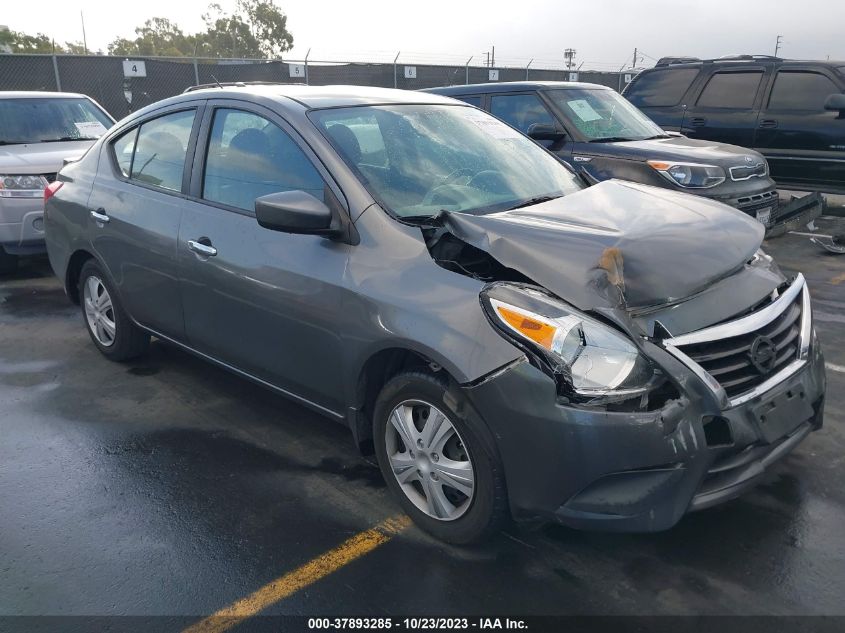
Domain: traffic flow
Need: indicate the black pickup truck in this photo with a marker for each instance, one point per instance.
(792, 112)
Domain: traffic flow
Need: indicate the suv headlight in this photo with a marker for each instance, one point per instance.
(27, 186)
(690, 175)
(590, 360)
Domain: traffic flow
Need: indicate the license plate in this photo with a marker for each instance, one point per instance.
(785, 411)
(764, 215)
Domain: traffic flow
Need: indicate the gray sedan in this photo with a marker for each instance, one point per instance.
(507, 341)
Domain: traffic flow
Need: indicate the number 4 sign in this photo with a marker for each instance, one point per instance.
(132, 68)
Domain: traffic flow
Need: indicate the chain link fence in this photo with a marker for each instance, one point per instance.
(150, 79)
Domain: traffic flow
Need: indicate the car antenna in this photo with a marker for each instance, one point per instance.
(219, 85)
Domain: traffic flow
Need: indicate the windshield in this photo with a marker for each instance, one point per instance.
(603, 115)
(420, 159)
(40, 120)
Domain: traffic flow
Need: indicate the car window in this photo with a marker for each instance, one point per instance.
(731, 90)
(160, 149)
(123, 148)
(603, 114)
(661, 87)
(800, 90)
(370, 143)
(520, 111)
(249, 157)
(474, 100)
(40, 120)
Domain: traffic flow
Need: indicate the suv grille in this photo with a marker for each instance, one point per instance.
(740, 363)
(744, 172)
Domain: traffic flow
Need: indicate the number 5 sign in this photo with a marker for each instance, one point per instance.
(297, 70)
(133, 68)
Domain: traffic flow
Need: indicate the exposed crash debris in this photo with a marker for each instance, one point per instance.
(831, 243)
(797, 213)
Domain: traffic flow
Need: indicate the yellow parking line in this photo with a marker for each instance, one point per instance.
(299, 578)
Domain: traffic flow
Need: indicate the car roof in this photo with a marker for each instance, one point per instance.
(33, 94)
(323, 96)
(512, 86)
(739, 60)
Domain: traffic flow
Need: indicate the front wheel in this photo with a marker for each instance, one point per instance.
(438, 459)
(107, 322)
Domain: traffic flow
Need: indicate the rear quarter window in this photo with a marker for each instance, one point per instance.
(661, 88)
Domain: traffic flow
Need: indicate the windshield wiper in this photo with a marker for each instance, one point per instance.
(651, 138)
(612, 139)
(532, 201)
(67, 138)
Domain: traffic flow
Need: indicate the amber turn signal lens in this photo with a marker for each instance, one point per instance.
(538, 331)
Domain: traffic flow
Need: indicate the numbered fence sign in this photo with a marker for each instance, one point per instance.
(573, 76)
(297, 70)
(410, 72)
(132, 68)
(628, 78)
(493, 75)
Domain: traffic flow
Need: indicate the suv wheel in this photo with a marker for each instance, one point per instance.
(439, 463)
(8, 263)
(110, 328)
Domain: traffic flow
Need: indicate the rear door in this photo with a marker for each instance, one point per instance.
(726, 106)
(135, 212)
(804, 143)
(262, 301)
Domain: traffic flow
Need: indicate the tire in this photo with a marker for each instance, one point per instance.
(439, 469)
(8, 263)
(110, 328)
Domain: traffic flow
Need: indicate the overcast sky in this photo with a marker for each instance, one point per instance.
(604, 32)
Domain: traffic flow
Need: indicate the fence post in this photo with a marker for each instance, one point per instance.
(306, 67)
(395, 79)
(56, 73)
(466, 71)
(196, 73)
(526, 69)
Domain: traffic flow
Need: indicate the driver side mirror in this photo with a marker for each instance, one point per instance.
(545, 132)
(835, 102)
(295, 212)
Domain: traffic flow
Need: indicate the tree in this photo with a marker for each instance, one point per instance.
(157, 37)
(257, 28)
(17, 42)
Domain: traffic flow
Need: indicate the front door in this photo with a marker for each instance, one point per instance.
(803, 142)
(262, 301)
(136, 208)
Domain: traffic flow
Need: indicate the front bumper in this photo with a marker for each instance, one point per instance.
(639, 471)
(22, 226)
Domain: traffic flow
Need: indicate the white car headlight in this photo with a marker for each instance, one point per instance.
(596, 361)
(690, 175)
(22, 186)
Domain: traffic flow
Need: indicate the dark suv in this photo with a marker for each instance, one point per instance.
(600, 135)
(793, 112)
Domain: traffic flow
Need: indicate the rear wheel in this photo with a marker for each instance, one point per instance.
(110, 327)
(8, 263)
(439, 459)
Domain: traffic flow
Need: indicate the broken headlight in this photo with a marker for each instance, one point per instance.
(690, 175)
(590, 360)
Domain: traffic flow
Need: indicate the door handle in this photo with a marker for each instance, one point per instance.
(100, 216)
(698, 121)
(206, 250)
(768, 124)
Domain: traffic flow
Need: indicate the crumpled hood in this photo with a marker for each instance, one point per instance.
(617, 244)
(40, 158)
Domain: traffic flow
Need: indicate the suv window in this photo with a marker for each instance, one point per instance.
(159, 152)
(731, 90)
(520, 111)
(249, 157)
(800, 90)
(474, 100)
(661, 87)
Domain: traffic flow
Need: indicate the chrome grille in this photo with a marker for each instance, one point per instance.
(730, 360)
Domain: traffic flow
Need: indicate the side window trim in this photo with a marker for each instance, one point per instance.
(198, 107)
(197, 174)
